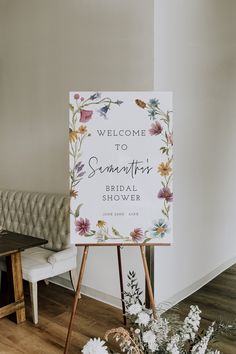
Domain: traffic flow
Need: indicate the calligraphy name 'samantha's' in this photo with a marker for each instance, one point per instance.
(131, 168)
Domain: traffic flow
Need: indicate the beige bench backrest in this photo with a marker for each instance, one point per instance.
(37, 214)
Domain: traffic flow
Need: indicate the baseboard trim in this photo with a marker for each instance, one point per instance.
(65, 283)
(88, 291)
(101, 296)
(181, 295)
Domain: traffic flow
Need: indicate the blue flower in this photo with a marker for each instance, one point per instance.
(95, 96)
(154, 102)
(151, 113)
(103, 110)
(159, 229)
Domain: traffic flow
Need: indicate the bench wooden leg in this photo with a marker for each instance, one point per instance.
(34, 301)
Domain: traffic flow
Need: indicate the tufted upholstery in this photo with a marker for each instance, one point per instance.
(45, 216)
(37, 214)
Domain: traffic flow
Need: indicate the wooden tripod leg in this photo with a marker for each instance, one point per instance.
(121, 283)
(76, 298)
(148, 280)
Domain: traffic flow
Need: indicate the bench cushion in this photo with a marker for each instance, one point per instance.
(35, 265)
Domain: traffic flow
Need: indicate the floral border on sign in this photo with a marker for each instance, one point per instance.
(82, 110)
(161, 127)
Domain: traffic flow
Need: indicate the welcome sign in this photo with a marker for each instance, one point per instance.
(121, 167)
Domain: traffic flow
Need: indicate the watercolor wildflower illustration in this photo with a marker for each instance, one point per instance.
(83, 110)
(161, 127)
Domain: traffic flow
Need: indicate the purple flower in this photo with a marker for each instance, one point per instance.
(103, 111)
(79, 167)
(156, 129)
(76, 96)
(82, 226)
(81, 174)
(137, 235)
(166, 194)
(85, 115)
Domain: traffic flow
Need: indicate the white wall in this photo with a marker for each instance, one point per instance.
(48, 48)
(196, 59)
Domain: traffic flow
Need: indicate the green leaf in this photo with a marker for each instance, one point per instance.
(164, 212)
(147, 239)
(115, 232)
(90, 233)
(77, 210)
(71, 107)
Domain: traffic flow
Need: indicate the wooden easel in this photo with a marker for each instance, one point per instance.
(81, 274)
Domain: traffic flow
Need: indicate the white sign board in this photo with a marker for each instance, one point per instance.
(121, 167)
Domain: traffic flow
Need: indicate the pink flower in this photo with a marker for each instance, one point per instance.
(156, 129)
(85, 115)
(166, 194)
(137, 235)
(82, 226)
(76, 96)
(81, 98)
(170, 139)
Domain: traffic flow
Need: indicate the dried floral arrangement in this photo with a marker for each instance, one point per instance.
(158, 333)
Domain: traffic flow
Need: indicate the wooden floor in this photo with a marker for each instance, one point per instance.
(216, 300)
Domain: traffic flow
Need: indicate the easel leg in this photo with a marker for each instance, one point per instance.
(149, 251)
(121, 283)
(76, 298)
(148, 280)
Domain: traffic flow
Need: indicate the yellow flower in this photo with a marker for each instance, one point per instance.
(101, 223)
(164, 169)
(140, 103)
(82, 129)
(73, 135)
(160, 229)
